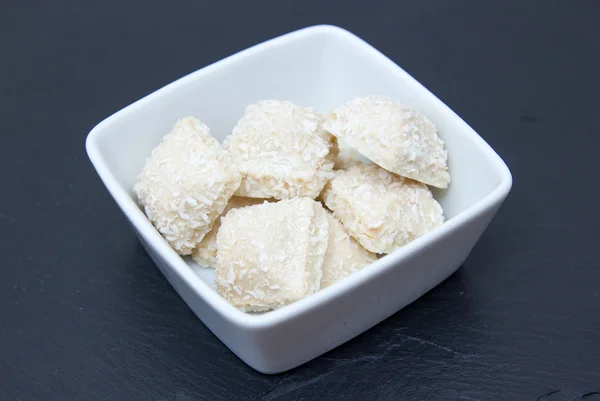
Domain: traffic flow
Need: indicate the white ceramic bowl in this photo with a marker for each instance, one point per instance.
(322, 67)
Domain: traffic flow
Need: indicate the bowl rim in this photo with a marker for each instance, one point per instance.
(305, 305)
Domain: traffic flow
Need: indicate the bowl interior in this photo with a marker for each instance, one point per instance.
(319, 67)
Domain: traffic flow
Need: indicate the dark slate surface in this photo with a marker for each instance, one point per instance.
(84, 313)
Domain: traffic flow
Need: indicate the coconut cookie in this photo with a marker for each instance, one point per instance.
(344, 255)
(398, 139)
(272, 254)
(205, 254)
(282, 151)
(382, 211)
(186, 183)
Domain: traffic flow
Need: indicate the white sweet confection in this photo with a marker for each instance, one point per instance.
(398, 139)
(344, 255)
(205, 254)
(272, 254)
(186, 183)
(382, 211)
(281, 150)
(248, 209)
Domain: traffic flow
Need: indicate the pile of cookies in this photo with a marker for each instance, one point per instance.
(292, 202)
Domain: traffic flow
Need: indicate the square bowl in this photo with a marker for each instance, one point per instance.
(321, 66)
